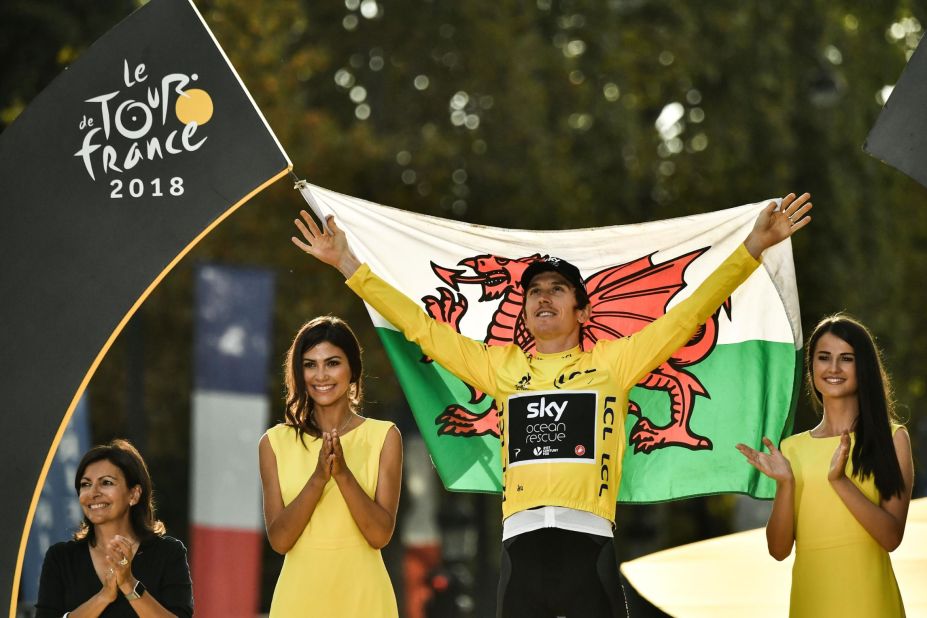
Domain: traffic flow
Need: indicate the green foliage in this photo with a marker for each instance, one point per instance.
(40, 38)
(539, 114)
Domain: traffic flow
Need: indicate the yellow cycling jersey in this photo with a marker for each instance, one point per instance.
(561, 415)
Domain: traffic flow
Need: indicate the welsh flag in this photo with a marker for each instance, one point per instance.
(735, 381)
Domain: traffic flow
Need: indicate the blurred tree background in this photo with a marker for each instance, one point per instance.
(546, 114)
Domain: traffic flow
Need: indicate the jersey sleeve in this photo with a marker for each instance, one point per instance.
(651, 346)
(469, 360)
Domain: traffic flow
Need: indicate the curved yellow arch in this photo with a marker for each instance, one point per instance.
(17, 574)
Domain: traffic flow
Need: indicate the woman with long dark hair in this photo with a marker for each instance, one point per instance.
(843, 488)
(331, 482)
(120, 562)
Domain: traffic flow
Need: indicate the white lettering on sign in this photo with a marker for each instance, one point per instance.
(142, 121)
(541, 408)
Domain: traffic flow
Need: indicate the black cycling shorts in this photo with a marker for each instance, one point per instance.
(554, 573)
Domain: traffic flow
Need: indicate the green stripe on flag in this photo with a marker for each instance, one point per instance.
(463, 463)
(752, 389)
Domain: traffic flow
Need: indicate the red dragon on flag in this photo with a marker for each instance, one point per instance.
(624, 299)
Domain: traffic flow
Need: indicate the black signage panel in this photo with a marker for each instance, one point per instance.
(109, 176)
(552, 426)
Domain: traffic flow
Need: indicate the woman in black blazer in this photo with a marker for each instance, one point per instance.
(120, 562)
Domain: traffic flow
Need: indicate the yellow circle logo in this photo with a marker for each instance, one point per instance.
(194, 105)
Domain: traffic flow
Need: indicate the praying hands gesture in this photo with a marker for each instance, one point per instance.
(323, 468)
(338, 466)
(117, 574)
(110, 590)
(331, 462)
(119, 554)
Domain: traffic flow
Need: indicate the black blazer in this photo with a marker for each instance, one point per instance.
(68, 578)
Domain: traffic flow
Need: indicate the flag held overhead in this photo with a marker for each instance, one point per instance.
(108, 178)
(738, 377)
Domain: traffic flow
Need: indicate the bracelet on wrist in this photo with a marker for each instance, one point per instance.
(137, 591)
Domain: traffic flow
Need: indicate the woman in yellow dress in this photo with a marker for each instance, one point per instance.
(331, 481)
(843, 488)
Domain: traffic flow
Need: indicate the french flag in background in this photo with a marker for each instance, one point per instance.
(232, 344)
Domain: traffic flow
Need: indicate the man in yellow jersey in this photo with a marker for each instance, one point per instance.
(558, 504)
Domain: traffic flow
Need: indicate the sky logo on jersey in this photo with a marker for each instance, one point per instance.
(553, 409)
(544, 427)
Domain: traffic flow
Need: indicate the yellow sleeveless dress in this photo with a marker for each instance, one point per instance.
(839, 570)
(331, 571)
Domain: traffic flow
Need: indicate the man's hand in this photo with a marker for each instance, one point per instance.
(330, 248)
(775, 225)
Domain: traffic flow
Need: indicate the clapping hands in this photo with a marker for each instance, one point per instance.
(773, 464)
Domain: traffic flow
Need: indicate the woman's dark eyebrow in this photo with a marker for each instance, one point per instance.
(324, 360)
(105, 476)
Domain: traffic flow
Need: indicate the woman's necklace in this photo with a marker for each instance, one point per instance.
(347, 420)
